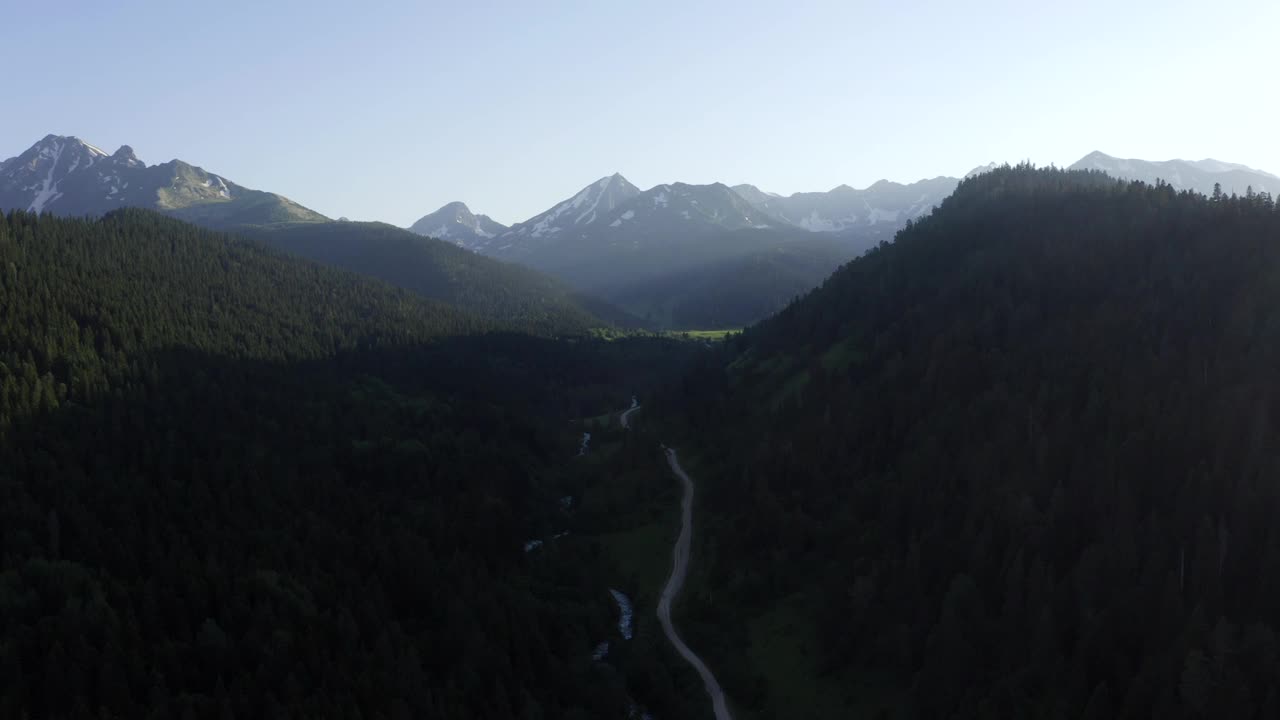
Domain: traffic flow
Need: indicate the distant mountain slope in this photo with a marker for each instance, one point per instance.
(665, 212)
(613, 211)
(871, 214)
(611, 234)
(67, 176)
(456, 223)
(636, 248)
(1199, 175)
(614, 240)
(511, 294)
(583, 212)
(606, 269)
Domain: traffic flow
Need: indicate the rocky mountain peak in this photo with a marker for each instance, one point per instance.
(125, 155)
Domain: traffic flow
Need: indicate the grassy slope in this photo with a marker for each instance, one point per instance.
(189, 193)
(252, 208)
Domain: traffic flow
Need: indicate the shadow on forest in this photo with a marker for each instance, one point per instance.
(218, 536)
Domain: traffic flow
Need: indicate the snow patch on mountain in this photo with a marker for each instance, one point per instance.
(879, 215)
(49, 191)
(878, 210)
(68, 176)
(815, 223)
(595, 202)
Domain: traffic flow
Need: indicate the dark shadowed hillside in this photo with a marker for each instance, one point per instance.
(1018, 463)
(235, 483)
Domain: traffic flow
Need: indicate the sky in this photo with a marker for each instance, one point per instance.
(387, 110)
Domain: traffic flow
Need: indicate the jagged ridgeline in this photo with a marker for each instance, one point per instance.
(693, 256)
(1020, 462)
(68, 176)
(234, 483)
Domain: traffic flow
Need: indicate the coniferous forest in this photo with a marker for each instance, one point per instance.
(236, 484)
(1021, 462)
(1017, 463)
(640, 361)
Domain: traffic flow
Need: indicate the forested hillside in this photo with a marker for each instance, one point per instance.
(234, 484)
(511, 293)
(1019, 463)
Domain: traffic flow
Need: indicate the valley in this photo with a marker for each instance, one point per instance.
(640, 361)
(998, 445)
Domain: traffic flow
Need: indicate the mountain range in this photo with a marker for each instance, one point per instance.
(679, 254)
(613, 211)
(68, 176)
(725, 244)
(844, 209)
(632, 246)
(1198, 175)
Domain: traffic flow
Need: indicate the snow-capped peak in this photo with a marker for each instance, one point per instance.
(65, 175)
(454, 221)
(50, 145)
(586, 207)
(877, 210)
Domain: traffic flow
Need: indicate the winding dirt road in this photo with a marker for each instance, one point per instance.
(626, 416)
(678, 572)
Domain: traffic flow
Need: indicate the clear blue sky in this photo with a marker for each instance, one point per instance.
(387, 110)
